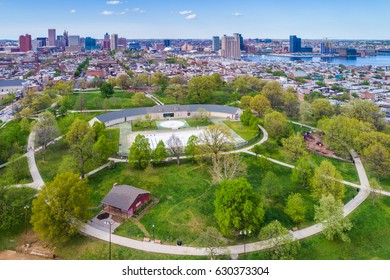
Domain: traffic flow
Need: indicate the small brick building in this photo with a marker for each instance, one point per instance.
(123, 199)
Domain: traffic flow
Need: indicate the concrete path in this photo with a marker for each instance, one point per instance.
(304, 125)
(37, 179)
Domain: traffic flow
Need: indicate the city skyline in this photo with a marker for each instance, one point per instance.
(197, 19)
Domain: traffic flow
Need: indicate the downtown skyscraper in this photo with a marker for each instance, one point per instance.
(51, 37)
(230, 47)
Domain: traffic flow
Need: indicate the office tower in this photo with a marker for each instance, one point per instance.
(114, 42)
(90, 43)
(25, 43)
(242, 46)
(35, 44)
(122, 42)
(43, 41)
(52, 37)
(167, 43)
(74, 40)
(295, 44)
(106, 42)
(66, 38)
(216, 44)
(134, 46)
(231, 47)
(327, 48)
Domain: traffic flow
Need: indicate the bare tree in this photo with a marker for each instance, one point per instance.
(45, 130)
(175, 147)
(227, 167)
(215, 139)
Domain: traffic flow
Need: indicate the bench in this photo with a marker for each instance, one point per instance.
(157, 241)
(146, 239)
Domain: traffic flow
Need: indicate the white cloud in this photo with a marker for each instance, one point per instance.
(72, 11)
(237, 14)
(113, 2)
(107, 13)
(190, 17)
(138, 10)
(185, 12)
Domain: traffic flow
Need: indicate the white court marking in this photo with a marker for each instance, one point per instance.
(172, 124)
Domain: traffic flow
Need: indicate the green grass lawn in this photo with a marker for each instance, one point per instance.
(143, 126)
(195, 123)
(384, 182)
(370, 237)
(245, 132)
(25, 174)
(64, 123)
(119, 100)
(112, 135)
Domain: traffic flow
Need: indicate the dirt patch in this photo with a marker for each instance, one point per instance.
(13, 255)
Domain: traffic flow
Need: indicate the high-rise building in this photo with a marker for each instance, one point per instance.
(114, 42)
(66, 38)
(25, 43)
(167, 43)
(90, 44)
(231, 47)
(242, 46)
(295, 44)
(216, 44)
(327, 48)
(122, 43)
(74, 40)
(43, 41)
(52, 37)
(106, 42)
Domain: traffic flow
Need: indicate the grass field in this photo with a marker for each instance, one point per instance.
(245, 132)
(370, 237)
(65, 122)
(25, 174)
(195, 123)
(119, 100)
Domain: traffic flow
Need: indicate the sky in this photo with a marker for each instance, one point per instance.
(200, 19)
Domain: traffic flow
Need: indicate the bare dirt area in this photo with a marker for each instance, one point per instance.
(29, 248)
(314, 143)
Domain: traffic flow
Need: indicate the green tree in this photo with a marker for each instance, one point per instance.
(274, 92)
(305, 112)
(12, 203)
(321, 108)
(276, 124)
(295, 207)
(282, 244)
(294, 147)
(60, 208)
(200, 89)
(227, 167)
(303, 172)
(80, 138)
(63, 88)
(271, 185)
(291, 104)
(330, 213)
(260, 104)
(123, 81)
(366, 111)
(16, 170)
(192, 149)
(237, 207)
(245, 101)
(98, 128)
(140, 152)
(102, 149)
(139, 99)
(378, 158)
(341, 132)
(107, 90)
(45, 130)
(213, 241)
(160, 153)
(326, 180)
(178, 92)
(161, 80)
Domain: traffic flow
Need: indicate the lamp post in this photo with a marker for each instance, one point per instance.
(153, 230)
(244, 233)
(109, 222)
(26, 218)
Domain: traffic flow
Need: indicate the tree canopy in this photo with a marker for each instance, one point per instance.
(60, 208)
(140, 152)
(237, 207)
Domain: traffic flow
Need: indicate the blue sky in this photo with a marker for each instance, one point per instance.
(342, 19)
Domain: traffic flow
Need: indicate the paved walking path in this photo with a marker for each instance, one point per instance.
(32, 165)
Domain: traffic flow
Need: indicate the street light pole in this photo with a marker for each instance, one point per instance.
(153, 230)
(109, 222)
(26, 218)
